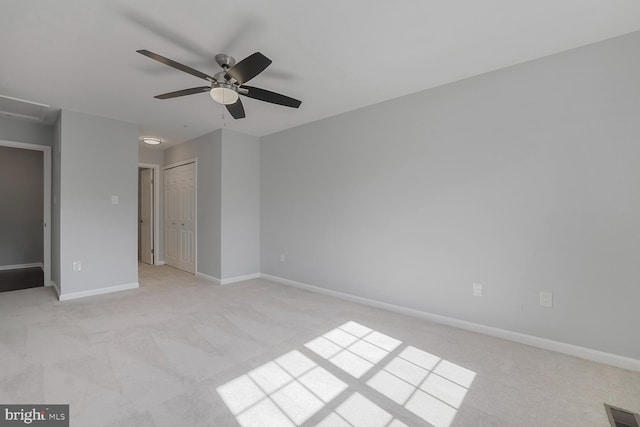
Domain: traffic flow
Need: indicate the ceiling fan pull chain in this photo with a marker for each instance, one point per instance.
(224, 122)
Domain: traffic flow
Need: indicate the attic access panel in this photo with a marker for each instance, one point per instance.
(19, 108)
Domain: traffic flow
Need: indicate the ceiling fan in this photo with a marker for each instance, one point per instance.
(227, 84)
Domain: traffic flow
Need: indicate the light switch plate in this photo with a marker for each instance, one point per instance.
(114, 200)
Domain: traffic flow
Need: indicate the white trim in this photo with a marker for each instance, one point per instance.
(557, 346)
(21, 266)
(160, 263)
(101, 291)
(195, 214)
(23, 145)
(240, 278)
(56, 288)
(47, 215)
(47, 199)
(157, 178)
(180, 163)
(209, 278)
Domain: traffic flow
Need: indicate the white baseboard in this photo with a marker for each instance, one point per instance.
(560, 347)
(56, 288)
(240, 278)
(19, 266)
(159, 263)
(230, 279)
(209, 278)
(100, 291)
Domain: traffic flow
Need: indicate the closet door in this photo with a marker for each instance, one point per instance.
(187, 218)
(180, 217)
(170, 218)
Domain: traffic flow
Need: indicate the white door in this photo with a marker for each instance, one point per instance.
(170, 217)
(180, 217)
(146, 216)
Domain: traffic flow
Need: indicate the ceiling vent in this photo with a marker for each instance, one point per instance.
(621, 417)
(18, 108)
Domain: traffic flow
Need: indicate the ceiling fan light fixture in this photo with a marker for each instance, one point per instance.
(151, 140)
(223, 94)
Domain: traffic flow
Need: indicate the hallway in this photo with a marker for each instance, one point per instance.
(23, 278)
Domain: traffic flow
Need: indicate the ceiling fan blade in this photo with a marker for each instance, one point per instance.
(272, 97)
(176, 65)
(236, 109)
(248, 68)
(183, 92)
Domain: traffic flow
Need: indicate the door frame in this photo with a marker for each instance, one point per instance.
(175, 165)
(46, 256)
(156, 210)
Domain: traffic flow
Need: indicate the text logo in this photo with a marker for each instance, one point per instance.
(34, 415)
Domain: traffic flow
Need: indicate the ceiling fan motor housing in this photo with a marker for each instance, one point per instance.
(225, 61)
(221, 81)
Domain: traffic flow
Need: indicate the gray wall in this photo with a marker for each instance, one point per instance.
(25, 131)
(228, 201)
(21, 210)
(99, 158)
(208, 150)
(240, 204)
(524, 179)
(151, 155)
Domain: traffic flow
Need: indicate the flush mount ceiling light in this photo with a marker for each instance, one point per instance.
(151, 140)
(224, 93)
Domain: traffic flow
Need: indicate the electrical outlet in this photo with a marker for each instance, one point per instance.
(546, 299)
(114, 200)
(477, 289)
(282, 257)
(77, 266)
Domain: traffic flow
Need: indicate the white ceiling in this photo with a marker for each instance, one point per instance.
(335, 56)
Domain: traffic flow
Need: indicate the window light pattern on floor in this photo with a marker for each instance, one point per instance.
(430, 387)
(354, 348)
(284, 392)
(289, 390)
(358, 411)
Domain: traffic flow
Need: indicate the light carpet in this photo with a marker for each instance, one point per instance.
(182, 351)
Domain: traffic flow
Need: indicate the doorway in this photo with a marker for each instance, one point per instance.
(27, 253)
(148, 213)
